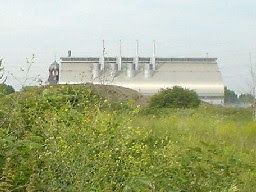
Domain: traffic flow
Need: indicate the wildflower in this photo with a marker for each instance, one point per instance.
(87, 120)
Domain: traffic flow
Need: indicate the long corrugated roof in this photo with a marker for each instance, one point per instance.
(199, 74)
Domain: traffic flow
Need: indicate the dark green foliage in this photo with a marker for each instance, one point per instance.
(176, 97)
(230, 96)
(246, 98)
(68, 138)
(6, 89)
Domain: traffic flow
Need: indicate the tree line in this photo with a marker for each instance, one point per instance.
(230, 97)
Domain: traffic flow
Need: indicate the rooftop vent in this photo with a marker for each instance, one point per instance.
(130, 70)
(148, 70)
(69, 53)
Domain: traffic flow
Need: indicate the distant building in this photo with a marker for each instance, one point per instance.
(54, 73)
(146, 75)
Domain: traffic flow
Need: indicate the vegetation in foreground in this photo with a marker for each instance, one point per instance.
(69, 138)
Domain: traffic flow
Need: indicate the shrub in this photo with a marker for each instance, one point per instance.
(6, 89)
(176, 97)
(69, 138)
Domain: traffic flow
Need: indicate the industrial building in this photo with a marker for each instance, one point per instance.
(146, 75)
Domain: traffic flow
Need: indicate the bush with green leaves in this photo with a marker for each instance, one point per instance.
(177, 97)
(6, 89)
(63, 138)
(68, 138)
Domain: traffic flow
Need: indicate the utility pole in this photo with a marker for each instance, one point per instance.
(137, 56)
(103, 56)
(154, 55)
(120, 56)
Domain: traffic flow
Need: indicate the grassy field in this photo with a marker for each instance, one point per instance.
(71, 138)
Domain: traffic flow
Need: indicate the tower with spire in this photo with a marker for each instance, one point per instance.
(54, 73)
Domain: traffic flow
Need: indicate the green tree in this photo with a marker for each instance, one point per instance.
(177, 97)
(6, 89)
(246, 98)
(230, 96)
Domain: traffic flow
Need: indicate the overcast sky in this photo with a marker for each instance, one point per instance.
(225, 29)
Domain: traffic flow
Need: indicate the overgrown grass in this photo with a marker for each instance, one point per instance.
(69, 138)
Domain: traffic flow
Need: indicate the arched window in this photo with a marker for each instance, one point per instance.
(50, 73)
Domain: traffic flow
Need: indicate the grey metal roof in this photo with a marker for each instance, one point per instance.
(199, 74)
(204, 83)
